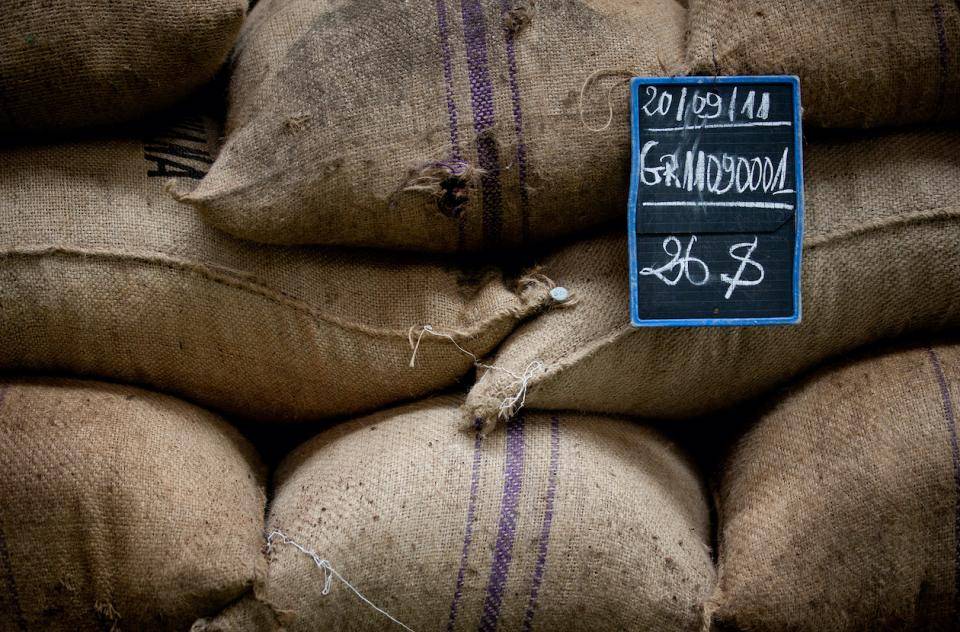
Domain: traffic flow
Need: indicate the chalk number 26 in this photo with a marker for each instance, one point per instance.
(682, 262)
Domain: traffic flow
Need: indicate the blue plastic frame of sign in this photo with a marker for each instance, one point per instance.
(635, 319)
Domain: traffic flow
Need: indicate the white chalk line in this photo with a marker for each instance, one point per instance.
(720, 125)
(788, 207)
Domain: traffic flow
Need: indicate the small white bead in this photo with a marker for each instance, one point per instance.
(559, 294)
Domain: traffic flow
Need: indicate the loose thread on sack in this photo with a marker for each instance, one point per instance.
(626, 73)
(329, 573)
(515, 391)
(594, 76)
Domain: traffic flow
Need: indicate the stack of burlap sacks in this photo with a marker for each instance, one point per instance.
(376, 229)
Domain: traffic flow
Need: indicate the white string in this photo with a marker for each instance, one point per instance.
(428, 329)
(513, 403)
(597, 74)
(328, 573)
(518, 386)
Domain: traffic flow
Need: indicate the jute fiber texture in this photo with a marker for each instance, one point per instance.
(122, 509)
(262, 47)
(880, 260)
(85, 62)
(440, 126)
(557, 522)
(861, 63)
(103, 274)
(839, 509)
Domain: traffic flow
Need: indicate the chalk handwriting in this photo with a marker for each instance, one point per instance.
(716, 204)
(736, 280)
(706, 105)
(681, 263)
(715, 173)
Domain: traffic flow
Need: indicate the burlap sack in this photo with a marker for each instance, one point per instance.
(256, 54)
(122, 509)
(440, 126)
(839, 508)
(880, 259)
(561, 522)
(861, 63)
(87, 62)
(103, 274)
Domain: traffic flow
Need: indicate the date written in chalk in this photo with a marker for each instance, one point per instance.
(716, 201)
(705, 105)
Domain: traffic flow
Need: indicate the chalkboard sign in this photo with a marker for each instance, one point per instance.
(716, 201)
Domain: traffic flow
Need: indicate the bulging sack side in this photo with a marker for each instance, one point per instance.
(838, 510)
(861, 63)
(94, 62)
(880, 260)
(103, 274)
(122, 509)
(444, 126)
(566, 521)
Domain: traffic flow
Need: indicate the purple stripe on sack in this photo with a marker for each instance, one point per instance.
(448, 78)
(509, 36)
(547, 523)
(949, 413)
(481, 99)
(468, 532)
(944, 54)
(507, 529)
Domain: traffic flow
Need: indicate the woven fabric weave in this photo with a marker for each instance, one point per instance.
(880, 260)
(839, 509)
(861, 63)
(434, 126)
(87, 62)
(560, 522)
(103, 274)
(122, 509)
